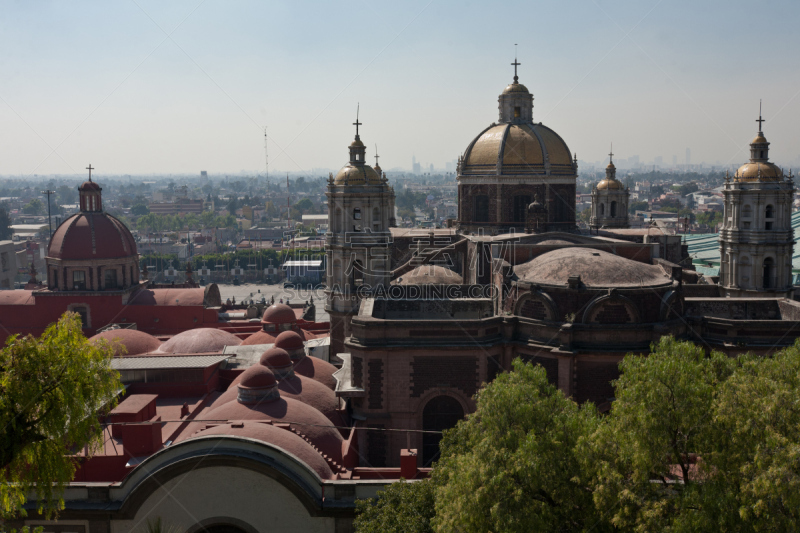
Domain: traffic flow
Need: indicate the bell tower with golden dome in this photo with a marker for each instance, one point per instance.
(360, 213)
(609, 201)
(756, 240)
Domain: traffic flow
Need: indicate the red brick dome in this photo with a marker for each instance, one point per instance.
(302, 417)
(283, 439)
(279, 314)
(200, 340)
(259, 337)
(289, 341)
(275, 358)
(128, 341)
(91, 236)
(257, 377)
(89, 186)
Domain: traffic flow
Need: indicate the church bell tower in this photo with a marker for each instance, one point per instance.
(360, 213)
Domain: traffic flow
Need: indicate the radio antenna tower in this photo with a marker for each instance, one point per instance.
(266, 158)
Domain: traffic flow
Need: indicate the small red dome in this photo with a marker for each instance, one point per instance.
(92, 236)
(259, 337)
(128, 341)
(275, 358)
(318, 370)
(289, 340)
(280, 438)
(279, 314)
(89, 186)
(302, 417)
(200, 340)
(257, 377)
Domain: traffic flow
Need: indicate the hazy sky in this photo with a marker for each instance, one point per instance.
(150, 86)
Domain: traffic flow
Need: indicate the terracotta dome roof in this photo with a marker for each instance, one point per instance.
(610, 184)
(128, 341)
(302, 417)
(357, 175)
(89, 186)
(275, 358)
(289, 341)
(259, 337)
(90, 236)
(279, 314)
(518, 149)
(296, 387)
(200, 340)
(429, 275)
(257, 377)
(280, 438)
(595, 267)
(316, 369)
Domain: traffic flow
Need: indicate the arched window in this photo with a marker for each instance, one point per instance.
(602, 209)
(442, 412)
(770, 214)
(769, 273)
(613, 209)
(521, 202)
(357, 213)
(376, 219)
(358, 273)
(481, 208)
(337, 221)
(79, 280)
(747, 211)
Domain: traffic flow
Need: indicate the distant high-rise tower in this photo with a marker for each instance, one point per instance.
(756, 240)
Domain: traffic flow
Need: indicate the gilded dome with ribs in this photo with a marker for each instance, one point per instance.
(517, 149)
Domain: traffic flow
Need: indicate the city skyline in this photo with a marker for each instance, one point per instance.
(142, 88)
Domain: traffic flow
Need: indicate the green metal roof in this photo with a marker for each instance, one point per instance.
(704, 248)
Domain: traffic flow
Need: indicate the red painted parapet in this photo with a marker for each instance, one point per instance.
(142, 439)
(134, 408)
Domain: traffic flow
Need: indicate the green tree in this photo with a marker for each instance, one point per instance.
(661, 419)
(5, 225)
(404, 507)
(754, 468)
(34, 207)
(637, 206)
(140, 209)
(51, 389)
(515, 464)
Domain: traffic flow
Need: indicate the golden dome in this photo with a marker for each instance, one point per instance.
(759, 139)
(357, 142)
(750, 171)
(610, 184)
(517, 149)
(357, 176)
(515, 88)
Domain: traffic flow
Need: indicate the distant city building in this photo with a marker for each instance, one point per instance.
(179, 206)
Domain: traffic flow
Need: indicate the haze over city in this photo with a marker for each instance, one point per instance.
(150, 88)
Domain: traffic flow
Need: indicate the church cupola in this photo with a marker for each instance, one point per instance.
(516, 102)
(759, 147)
(357, 149)
(90, 195)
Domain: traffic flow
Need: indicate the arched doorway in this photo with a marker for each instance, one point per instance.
(440, 413)
(769, 273)
(222, 528)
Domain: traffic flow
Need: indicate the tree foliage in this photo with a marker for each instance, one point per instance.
(51, 389)
(404, 507)
(514, 464)
(5, 225)
(695, 441)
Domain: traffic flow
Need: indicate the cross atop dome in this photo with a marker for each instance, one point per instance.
(759, 119)
(515, 64)
(357, 123)
(89, 168)
(611, 154)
